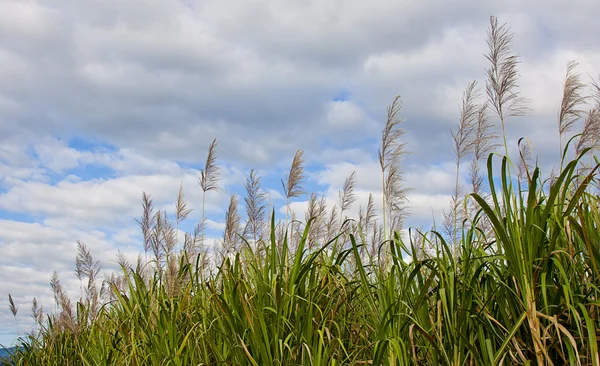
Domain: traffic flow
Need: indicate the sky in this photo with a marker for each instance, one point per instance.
(101, 100)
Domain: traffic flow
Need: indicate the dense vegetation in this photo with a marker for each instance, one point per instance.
(512, 277)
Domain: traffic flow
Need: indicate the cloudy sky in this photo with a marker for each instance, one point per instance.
(103, 99)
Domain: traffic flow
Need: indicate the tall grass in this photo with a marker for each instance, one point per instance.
(516, 281)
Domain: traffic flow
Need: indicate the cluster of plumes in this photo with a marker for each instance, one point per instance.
(160, 238)
(326, 222)
(163, 256)
(391, 152)
(95, 291)
(87, 269)
(590, 134)
(475, 136)
(332, 223)
(63, 315)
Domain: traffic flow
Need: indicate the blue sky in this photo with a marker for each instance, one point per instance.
(101, 100)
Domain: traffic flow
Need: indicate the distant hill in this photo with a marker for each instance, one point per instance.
(5, 353)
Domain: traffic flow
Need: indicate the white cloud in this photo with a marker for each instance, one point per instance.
(367, 175)
(427, 209)
(56, 156)
(344, 114)
(27, 18)
(215, 225)
(274, 194)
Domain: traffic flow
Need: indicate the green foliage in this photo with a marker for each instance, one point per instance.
(527, 292)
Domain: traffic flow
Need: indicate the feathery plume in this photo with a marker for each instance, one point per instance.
(140, 266)
(317, 210)
(109, 286)
(572, 98)
(14, 310)
(367, 215)
(209, 176)
(209, 180)
(85, 264)
(232, 226)
(189, 246)
(11, 306)
(390, 152)
(502, 75)
(122, 261)
(181, 210)
(292, 186)
(63, 303)
(86, 267)
(451, 218)
(157, 238)
(418, 241)
(36, 311)
(280, 234)
(390, 147)
(311, 211)
(169, 234)
(396, 196)
(173, 282)
(462, 136)
(483, 145)
(590, 135)
(147, 220)
(56, 287)
(525, 159)
(396, 222)
(475, 178)
(376, 239)
(332, 224)
(347, 196)
(483, 142)
(295, 231)
(255, 207)
(464, 143)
